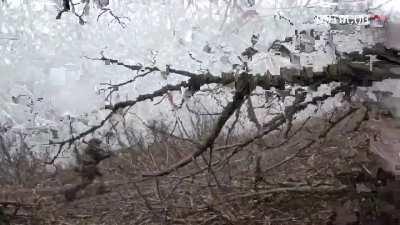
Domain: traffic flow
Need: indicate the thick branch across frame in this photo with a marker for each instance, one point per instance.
(346, 71)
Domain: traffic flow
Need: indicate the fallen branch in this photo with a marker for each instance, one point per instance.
(323, 189)
(351, 73)
(243, 89)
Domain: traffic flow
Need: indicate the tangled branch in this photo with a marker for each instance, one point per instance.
(346, 71)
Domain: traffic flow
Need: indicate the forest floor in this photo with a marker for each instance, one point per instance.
(297, 182)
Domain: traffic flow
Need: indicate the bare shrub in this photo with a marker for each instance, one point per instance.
(19, 165)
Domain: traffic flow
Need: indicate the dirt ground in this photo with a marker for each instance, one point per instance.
(273, 181)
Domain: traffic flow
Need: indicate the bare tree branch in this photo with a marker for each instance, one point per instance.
(345, 71)
(244, 89)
